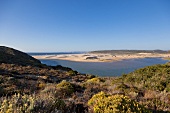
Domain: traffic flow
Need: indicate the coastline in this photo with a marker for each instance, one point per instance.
(90, 57)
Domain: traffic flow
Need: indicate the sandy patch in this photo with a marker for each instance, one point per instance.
(100, 57)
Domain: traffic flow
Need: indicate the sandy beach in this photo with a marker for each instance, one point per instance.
(89, 57)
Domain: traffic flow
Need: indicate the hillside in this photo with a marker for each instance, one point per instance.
(56, 89)
(12, 56)
(116, 52)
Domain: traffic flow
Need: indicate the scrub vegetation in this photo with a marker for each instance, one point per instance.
(27, 88)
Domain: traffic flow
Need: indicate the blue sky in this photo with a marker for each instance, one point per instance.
(84, 25)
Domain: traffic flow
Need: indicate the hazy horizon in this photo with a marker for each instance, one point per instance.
(84, 25)
(92, 50)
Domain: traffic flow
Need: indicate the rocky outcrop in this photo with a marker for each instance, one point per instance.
(12, 56)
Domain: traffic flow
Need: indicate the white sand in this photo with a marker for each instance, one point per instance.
(100, 57)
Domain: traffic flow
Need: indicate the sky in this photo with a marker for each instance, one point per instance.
(84, 25)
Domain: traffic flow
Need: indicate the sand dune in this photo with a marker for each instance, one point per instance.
(100, 57)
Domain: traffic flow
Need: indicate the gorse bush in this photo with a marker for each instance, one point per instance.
(103, 103)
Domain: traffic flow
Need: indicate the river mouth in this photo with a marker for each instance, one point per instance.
(106, 68)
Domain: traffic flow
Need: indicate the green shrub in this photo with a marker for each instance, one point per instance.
(155, 77)
(103, 103)
(65, 87)
(168, 87)
(71, 73)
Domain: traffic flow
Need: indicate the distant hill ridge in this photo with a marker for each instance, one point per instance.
(13, 56)
(130, 51)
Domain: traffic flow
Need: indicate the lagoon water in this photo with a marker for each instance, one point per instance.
(107, 68)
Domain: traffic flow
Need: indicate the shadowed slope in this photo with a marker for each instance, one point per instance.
(12, 56)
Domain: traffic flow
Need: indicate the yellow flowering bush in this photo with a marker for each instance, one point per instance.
(17, 104)
(103, 103)
(64, 87)
(95, 80)
(31, 104)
